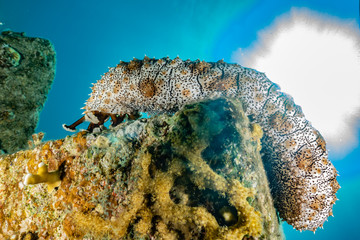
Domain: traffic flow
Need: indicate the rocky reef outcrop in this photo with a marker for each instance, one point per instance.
(196, 174)
(27, 70)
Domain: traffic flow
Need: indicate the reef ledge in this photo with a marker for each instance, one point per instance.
(196, 174)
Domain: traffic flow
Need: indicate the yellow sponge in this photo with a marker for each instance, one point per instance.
(52, 179)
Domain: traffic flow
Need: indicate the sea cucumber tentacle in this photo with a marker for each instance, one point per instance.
(302, 179)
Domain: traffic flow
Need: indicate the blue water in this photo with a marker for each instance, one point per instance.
(90, 36)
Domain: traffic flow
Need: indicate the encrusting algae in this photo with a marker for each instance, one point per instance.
(193, 175)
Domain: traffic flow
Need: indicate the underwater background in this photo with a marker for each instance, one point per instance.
(90, 36)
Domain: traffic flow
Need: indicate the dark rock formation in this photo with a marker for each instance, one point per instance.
(27, 69)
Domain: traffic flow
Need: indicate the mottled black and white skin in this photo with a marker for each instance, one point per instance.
(302, 179)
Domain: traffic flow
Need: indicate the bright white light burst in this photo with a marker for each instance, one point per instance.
(316, 59)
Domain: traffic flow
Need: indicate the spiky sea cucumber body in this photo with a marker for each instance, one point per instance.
(302, 179)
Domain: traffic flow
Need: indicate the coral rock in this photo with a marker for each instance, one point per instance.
(196, 174)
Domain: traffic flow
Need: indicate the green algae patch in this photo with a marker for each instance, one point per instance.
(196, 174)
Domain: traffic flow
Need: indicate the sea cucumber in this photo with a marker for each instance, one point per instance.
(302, 179)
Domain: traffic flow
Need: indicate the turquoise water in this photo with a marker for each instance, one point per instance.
(89, 37)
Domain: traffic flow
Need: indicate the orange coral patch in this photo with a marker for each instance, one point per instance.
(223, 84)
(132, 87)
(117, 88)
(160, 82)
(202, 66)
(303, 158)
(80, 140)
(275, 120)
(186, 93)
(287, 126)
(303, 163)
(315, 205)
(321, 196)
(147, 88)
(126, 80)
(334, 185)
(259, 97)
(290, 143)
(133, 65)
